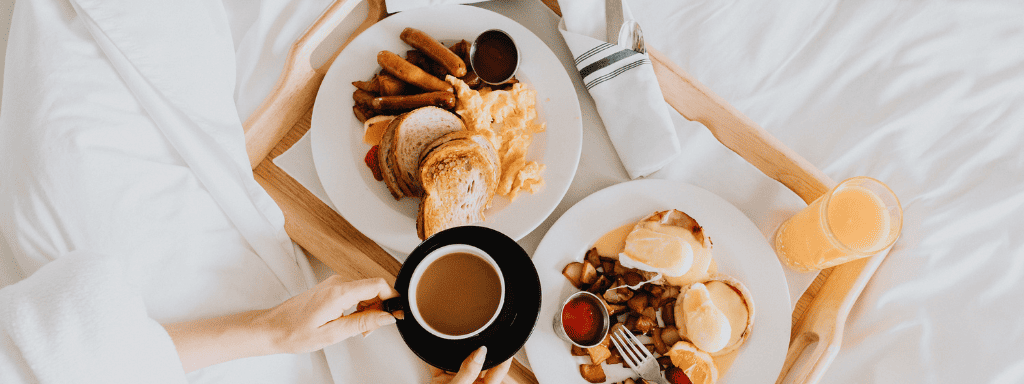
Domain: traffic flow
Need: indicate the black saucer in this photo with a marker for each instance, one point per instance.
(508, 333)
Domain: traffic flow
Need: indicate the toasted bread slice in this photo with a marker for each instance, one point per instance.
(469, 139)
(459, 175)
(410, 133)
(385, 160)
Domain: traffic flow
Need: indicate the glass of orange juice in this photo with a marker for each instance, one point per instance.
(859, 217)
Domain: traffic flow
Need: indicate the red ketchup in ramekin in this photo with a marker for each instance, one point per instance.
(583, 320)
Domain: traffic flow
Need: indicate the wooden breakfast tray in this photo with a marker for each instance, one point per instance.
(285, 116)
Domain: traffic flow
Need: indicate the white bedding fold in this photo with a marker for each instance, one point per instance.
(178, 60)
(107, 146)
(77, 320)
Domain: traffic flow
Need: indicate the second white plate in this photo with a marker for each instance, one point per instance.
(739, 251)
(338, 149)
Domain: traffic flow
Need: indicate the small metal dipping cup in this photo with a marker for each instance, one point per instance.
(499, 36)
(604, 318)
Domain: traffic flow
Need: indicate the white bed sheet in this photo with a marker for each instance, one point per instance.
(108, 147)
(926, 96)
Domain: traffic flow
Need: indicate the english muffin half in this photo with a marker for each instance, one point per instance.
(727, 295)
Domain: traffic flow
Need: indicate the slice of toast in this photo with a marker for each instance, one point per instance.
(411, 133)
(459, 174)
(384, 161)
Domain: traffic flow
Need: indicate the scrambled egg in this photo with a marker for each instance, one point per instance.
(508, 118)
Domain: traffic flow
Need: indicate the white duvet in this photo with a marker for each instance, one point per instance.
(926, 96)
(119, 137)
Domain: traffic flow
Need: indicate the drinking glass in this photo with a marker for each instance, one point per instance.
(858, 218)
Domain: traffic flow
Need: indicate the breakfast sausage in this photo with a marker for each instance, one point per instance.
(433, 49)
(441, 99)
(411, 74)
(391, 86)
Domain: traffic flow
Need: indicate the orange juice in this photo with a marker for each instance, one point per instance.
(858, 218)
(853, 220)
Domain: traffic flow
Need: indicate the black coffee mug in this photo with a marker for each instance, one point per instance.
(411, 306)
(508, 328)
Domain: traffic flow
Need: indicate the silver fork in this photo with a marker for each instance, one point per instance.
(636, 355)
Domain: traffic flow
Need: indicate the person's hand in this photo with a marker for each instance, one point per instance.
(304, 323)
(313, 319)
(469, 372)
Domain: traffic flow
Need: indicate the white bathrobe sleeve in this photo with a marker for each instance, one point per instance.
(119, 135)
(77, 320)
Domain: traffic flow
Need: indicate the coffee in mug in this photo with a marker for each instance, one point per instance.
(456, 291)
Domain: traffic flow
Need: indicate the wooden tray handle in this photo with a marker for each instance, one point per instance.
(736, 131)
(820, 314)
(296, 87)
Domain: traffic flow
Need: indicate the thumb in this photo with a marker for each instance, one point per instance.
(359, 322)
(470, 369)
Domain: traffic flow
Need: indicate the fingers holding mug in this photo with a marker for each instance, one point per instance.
(471, 367)
(496, 374)
(470, 371)
(360, 322)
(353, 292)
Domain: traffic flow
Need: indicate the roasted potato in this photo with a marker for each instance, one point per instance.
(615, 309)
(573, 271)
(618, 295)
(593, 258)
(645, 324)
(638, 302)
(608, 265)
(598, 287)
(598, 354)
(589, 275)
(577, 351)
(659, 344)
(633, 278)
(593, 373)
(670, 335)
(668, 312)
(362, 113)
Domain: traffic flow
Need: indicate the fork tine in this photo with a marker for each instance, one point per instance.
(622, 346)
(630, 347)
(622, 350)
(644, 351)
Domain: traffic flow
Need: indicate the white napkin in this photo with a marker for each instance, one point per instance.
(402, 5)
(622, 83)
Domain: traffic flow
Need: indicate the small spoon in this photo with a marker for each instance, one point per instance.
(630, 35)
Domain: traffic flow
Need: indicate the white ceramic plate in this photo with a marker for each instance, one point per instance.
(739, 250)
(338, 148)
